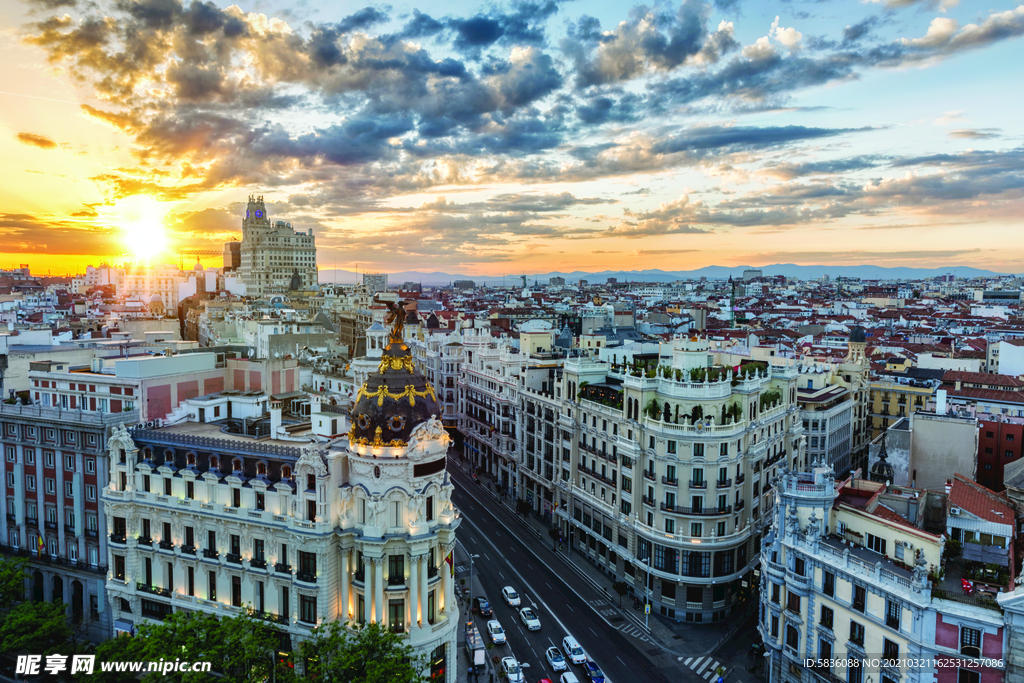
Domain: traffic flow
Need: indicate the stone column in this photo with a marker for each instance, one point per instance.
(424, 565)
(414, 585)
(367, 589)
(345, 583)
(58, 467)
(378, 589)
(449, 586)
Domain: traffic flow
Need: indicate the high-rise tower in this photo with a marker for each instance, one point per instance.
(272, 253)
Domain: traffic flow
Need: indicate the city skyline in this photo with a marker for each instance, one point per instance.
(536, 136)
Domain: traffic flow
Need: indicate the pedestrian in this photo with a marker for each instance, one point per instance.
(492, 677)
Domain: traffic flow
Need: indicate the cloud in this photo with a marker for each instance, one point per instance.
(858, 257)
(663, 252)
(975, 133)
(789, 37)
(22, 233)
(36, 140)
(650, 40)
(863, 28)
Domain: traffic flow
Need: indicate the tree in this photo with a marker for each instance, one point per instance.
(34, 628)
(13, 572)
(370, 654)
(620, 587)
(555, 535)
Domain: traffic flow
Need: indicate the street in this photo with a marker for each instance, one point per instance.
(508, 558)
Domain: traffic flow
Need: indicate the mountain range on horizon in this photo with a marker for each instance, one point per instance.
(864, 272)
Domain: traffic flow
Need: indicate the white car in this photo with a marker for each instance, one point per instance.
(512, 670)
(573, 651)
(530, 619)
(510, 595)
(496, 632)
(555, 659)
(568, 678)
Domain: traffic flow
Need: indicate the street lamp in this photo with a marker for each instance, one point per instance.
(647, 592)
(471, 556)
(768, 663)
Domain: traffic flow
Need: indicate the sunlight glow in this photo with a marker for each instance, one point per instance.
(141, 220)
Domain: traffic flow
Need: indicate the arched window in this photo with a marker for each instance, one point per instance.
(261, 469)
(236, 465)
(191, 458)
(214, 463)
(286, 472)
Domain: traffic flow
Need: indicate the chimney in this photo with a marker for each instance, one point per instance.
(940, 402)
(314, 403)
(275, 417)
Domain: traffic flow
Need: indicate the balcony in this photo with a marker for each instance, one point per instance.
(740, 478)
(431, 571)
(282, 568)
(669, 482)
(210, 554)
(698, 512)
(11, 517)
(703, 484)
(51, 525)
(145, 540)
(258, 564)
(153, 590)
(740, 504)
(188, 549)
(31, 521)
(234, 558)
(166, 545)
(308, 577)
(723, 483)
(649, 476)
(359, 576)
(648, 501)
(119, 539)
(396, 580)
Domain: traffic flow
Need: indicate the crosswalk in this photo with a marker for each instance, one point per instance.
(633, 632)
(703, 666)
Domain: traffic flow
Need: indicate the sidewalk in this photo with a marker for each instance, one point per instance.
(466, 615)
(679, 639)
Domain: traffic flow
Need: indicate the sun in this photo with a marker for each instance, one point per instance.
(141, 220)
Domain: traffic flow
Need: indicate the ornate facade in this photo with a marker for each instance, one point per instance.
(355, 529)
(274, 258)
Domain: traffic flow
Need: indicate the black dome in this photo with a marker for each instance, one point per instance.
(393, 401)
(857, 334)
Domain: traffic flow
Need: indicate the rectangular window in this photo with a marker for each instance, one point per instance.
(792, 638)
(793, 602)
(828, 584)
(236, 591)
(261, 503)
(167, 486)
(857, 633)
(257, 550)
(827, 615)
(396, 616)
(892, 614)
(775, 626)
(307, 564)
(776, 592)
(90, 465)
(236, 544)
(970, 642)
(859, 598)
(307, 609)
(891, 651)
(877, 544)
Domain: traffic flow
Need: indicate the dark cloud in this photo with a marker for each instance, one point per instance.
(363, 19)
(421, 26)
(650, 40)
(40, 141)
(854, 32)
(975, 133)
(700, 138)
(789, 171)
(22, 233)
(524, 25)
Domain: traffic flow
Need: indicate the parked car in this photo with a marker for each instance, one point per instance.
(513, 671)
(555, 659)
(530, 619)
(593, 671)
(510, 595)
(573, 652)
(482, 607)
(496, 632)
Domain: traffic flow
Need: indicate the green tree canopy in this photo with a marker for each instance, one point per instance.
(372, 654)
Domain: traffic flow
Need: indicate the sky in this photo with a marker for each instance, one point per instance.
(524, 136)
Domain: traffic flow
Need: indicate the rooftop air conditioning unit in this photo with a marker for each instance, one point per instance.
(954, 511)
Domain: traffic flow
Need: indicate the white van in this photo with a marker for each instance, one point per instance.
(573, 652)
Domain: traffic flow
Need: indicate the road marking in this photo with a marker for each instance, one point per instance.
(620, 659)
(466, 520)
(548, 585)
(687, 662)
(500, 574)
(485, 557)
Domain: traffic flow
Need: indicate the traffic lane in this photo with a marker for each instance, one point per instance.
(610, 649)
(526, 646)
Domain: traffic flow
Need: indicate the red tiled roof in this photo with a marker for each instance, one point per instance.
(981, 378)
(979, 501)
(889, 514)
(988, 395)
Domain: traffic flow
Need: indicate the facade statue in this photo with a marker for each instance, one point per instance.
(431, 430)
(397, 320)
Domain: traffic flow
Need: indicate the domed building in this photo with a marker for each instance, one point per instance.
(358, 528)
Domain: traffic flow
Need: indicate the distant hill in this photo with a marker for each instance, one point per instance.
(865, 272)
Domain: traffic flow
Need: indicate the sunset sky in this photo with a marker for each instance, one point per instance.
(530, 136)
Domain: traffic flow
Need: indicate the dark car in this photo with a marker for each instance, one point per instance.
(593, 671)
(482, 607)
